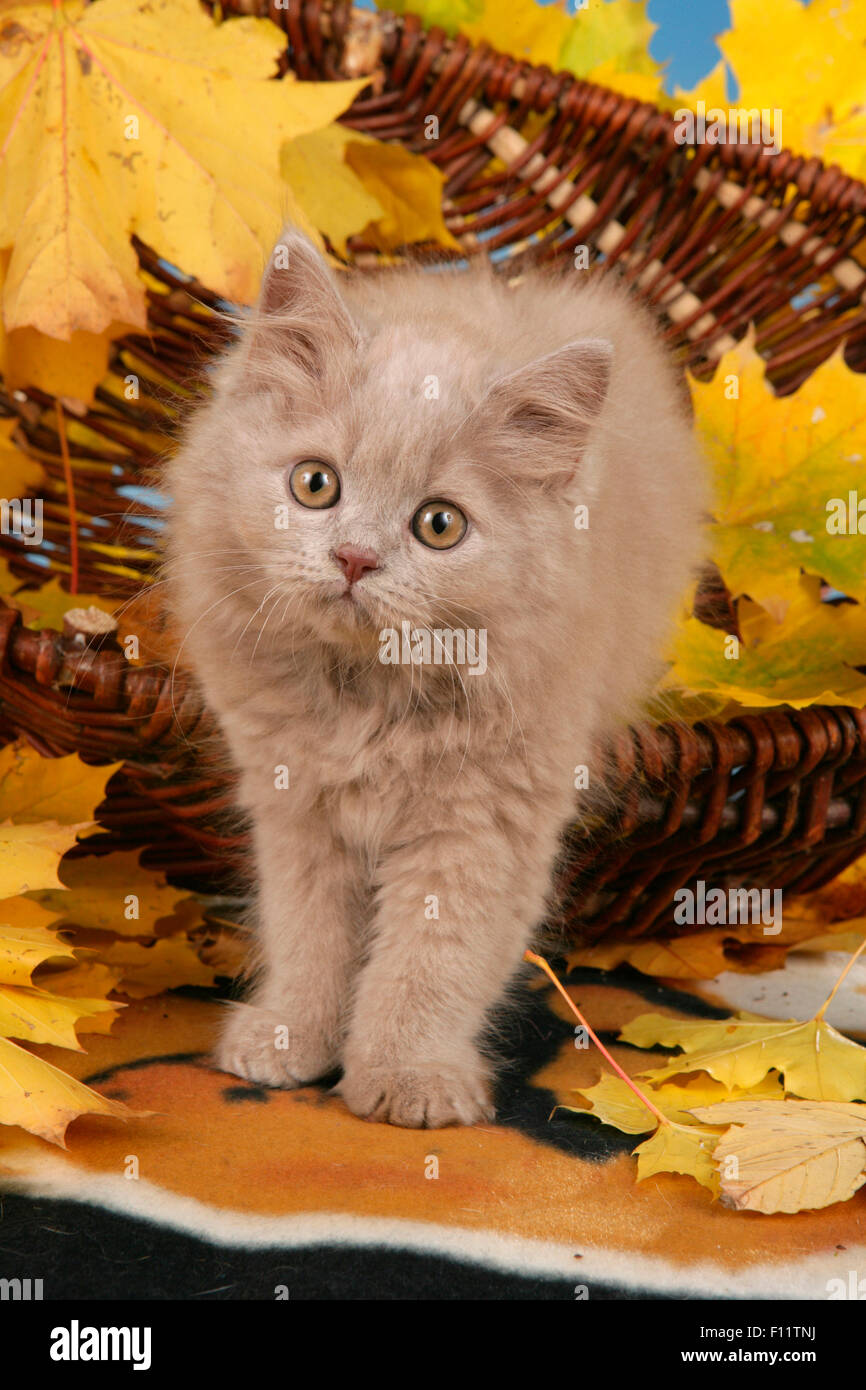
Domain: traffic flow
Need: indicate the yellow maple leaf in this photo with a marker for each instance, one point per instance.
(134, 116)
(347, 182)
(712, 90)
(167, 963)
(332, 195)
(86, 979)
(70, 369)
(20, 475)
(807, 61)
(778, 464)
(30, 853)
(789, 1155)
(46, 806)
(38, 1016)
(23, 948)
(699, 955)
(535, 33)
(818, 1063)
(42, 1099)
(678, 1145)
(811, 657)
(112, 892)
(33, 788)
(407, 187)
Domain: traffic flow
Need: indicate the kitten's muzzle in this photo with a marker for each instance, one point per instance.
(355, 562)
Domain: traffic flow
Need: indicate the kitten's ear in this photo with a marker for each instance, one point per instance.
(299, 314)
(545, 410)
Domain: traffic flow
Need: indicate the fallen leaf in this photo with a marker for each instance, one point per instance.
(817, 1062)
(33, 788)
(42, 1099)
(30, 854)
(677, 1146)
(22, 949)
(700, 955)
(168, 963)
(40, 1017)
(112, 892)
(20, 475)
(789, 1155)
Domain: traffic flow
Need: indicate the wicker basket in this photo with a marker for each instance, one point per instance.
(536, 163)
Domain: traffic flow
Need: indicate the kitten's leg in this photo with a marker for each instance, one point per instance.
(411, 1056)
(309, 902)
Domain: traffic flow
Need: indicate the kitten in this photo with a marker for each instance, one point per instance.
(415, 449)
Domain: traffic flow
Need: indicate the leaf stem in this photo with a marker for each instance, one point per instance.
(828, 1001)
(542, 964)
(70, 496)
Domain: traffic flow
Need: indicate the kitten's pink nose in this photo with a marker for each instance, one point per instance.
(355, 562)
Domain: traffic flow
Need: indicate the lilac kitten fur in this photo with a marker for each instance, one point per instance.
(403, 871)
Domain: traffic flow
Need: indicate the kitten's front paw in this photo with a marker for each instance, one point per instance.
(419, 1097)
(260, 1045)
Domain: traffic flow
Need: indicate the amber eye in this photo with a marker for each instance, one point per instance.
(314, 484)
(439, 525)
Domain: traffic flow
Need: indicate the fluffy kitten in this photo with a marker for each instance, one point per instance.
(414, 447)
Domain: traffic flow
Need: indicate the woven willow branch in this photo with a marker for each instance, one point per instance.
(508, 145)
(846, 272)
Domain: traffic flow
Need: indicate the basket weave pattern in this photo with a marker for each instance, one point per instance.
(536, 163)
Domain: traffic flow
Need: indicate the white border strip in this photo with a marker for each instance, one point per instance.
(806, 1279)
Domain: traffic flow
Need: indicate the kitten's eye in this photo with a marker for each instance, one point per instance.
(314, 484)
(439, 525)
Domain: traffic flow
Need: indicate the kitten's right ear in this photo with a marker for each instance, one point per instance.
(299, 314)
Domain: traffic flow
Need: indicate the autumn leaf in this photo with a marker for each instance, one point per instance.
(37, 1016)
(86, 979)
(33, 788)
(30, 853)
(817, 1062)
(789, 1155)
(606, 42)
(42, 1099)
(46, 805)
(349, 183)
(407, 187)
(24, 912)
(112, 892)
(333, 197)
(699, 955)
(811, 657)
(19, 474)
(449, 15)
(778, 463)
(680, 1145)
(703, 954)
(712, 90)
(167, 963)
(807, 61)
(23, 948)
(610, 42)
(160, 95)
(840, 900)
(48, 605)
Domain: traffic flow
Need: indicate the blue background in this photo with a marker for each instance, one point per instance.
(685, 37)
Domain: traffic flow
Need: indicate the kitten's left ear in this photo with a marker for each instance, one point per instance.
(547, 408)
(300, 312)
